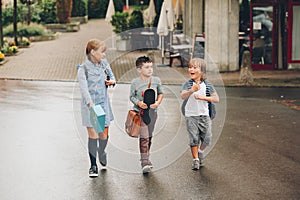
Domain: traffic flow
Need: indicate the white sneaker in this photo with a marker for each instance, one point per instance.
(196, 164)
(146, 169)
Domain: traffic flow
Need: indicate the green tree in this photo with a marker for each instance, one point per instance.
(48, 14)
(79, 8)
(28, 3)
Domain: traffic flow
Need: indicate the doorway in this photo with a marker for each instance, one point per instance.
(263, 36)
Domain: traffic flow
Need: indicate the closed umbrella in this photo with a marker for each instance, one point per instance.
(178, 11)
(170, 15)
(162, 28)
(149, 13)
(110, 11)
(171, 19)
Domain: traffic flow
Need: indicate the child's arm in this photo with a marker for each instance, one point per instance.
(186, 93)
(214, 97)
(157, 102)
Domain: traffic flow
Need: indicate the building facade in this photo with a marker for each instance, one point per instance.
(273, 32)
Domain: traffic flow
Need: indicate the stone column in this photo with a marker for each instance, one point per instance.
(193, 17)
(221, 30)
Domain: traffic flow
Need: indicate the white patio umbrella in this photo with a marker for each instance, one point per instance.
(162, 28)
(109, 13)
(178, 10)
(149, 13)
(170, 14)
(171, 19)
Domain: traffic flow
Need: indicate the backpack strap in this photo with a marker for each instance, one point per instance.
(207, 90)
(85, 71)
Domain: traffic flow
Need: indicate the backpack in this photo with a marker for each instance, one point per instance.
(211, 106)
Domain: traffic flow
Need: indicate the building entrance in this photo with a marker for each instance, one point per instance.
(263, 42)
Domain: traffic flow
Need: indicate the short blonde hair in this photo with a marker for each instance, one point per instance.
(199, 62)
(94, 44)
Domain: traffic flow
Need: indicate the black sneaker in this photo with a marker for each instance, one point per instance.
(93, 172)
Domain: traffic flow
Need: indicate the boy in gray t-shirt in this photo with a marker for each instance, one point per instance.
(196, 109)
(137, 89)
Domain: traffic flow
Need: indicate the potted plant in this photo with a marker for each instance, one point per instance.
(120, 22)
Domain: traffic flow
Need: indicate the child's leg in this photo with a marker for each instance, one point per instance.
(205, 129)
(194, 151)
(193, 131)
(144, 143)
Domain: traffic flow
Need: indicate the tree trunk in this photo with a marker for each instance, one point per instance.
(64, 11)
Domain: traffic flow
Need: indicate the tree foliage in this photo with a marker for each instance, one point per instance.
(79, 8)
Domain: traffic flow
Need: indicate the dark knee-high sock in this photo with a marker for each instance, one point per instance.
(101, 151)
(102, 146)
(92, 146)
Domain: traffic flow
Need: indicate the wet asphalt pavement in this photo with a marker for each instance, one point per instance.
(43, 147)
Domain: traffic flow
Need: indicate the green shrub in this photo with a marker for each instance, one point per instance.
(79, 8)
(26, 31)
(120, 23)
(48, 14)
(136, 20)
(8, 15)
(97, 8)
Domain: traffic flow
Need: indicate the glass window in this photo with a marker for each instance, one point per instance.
(262, 34)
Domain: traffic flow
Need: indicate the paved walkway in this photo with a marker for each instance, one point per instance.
(56, 60)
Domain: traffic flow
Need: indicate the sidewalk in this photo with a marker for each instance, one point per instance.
(56, 60)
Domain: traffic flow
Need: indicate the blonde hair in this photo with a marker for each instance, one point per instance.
(94, 44)
(199, 62)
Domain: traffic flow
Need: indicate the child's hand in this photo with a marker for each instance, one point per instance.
(195, 87)
(109, 82)
(155, 105)
(142, 105)
(91, 104)
(199, 97)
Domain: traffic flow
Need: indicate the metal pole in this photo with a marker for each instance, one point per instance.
(15, 22)
(127, 4)
(1, 27)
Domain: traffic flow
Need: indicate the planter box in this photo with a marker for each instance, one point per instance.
(123, 45)
(73, 27)
(3, 61)
(44, 37)
(70, 27)
(81, 20)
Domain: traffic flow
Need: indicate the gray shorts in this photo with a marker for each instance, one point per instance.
(199, 129)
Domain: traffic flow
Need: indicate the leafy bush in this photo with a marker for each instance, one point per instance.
(79, 8)
(97, 8)
(120, 23)
(136, 20)
(8, 15)
(48, 14)
(26, 31)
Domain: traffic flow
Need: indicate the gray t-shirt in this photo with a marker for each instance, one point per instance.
(138, 86)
